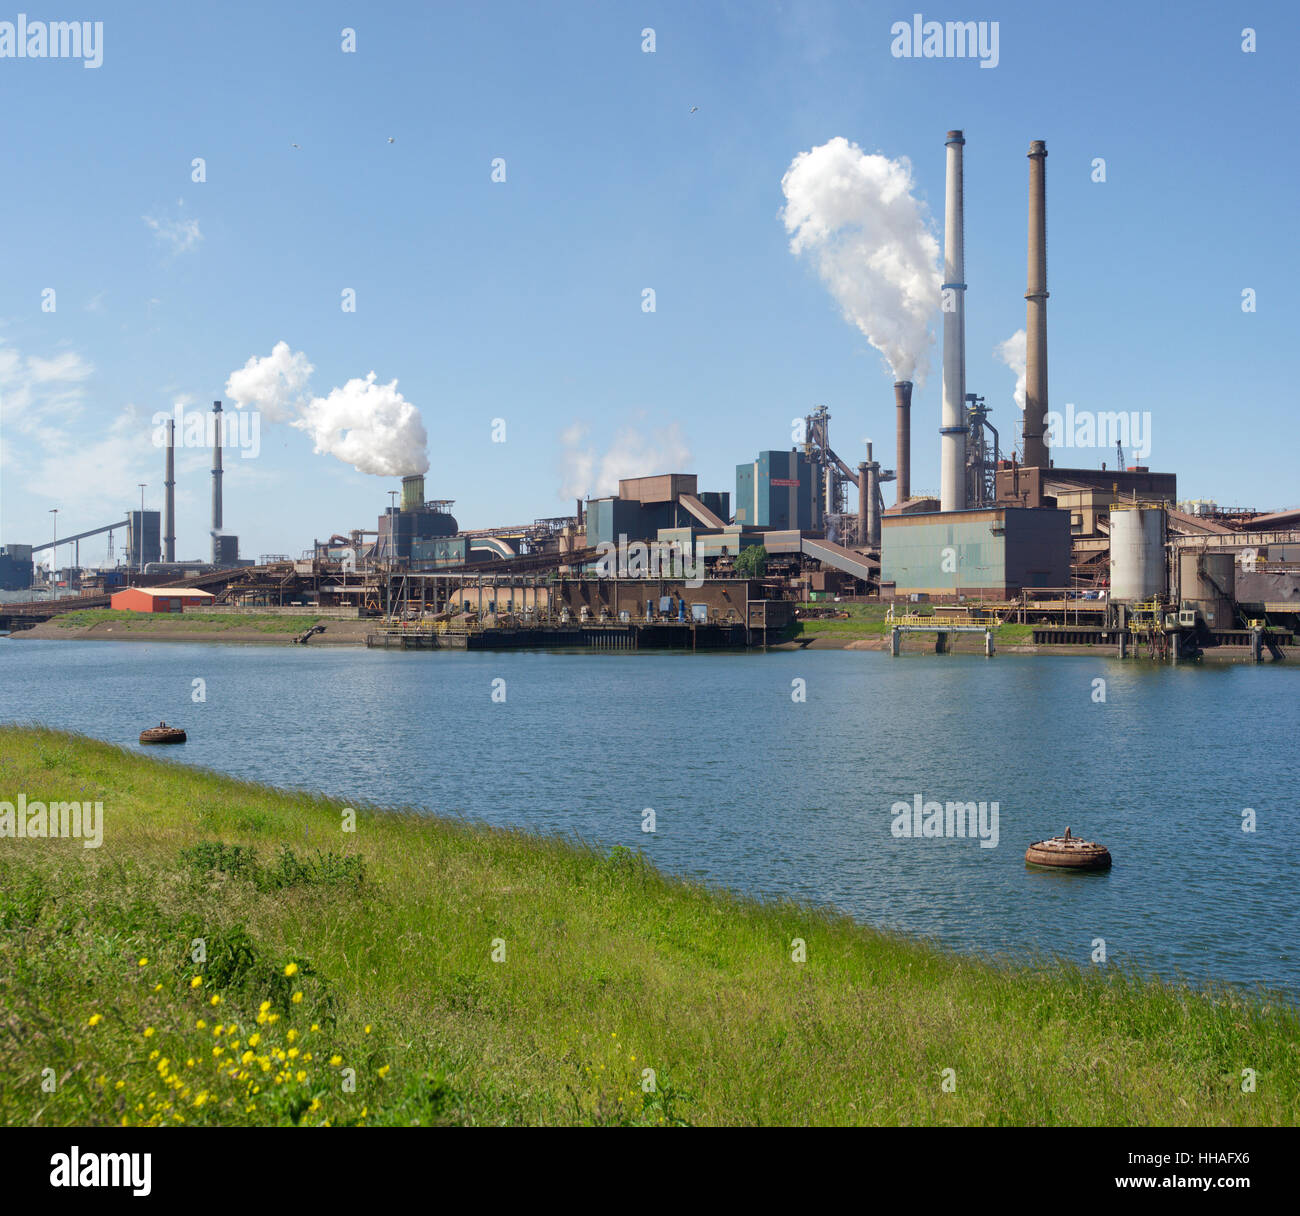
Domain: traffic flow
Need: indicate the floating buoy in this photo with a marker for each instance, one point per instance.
(1068, 852)
(162, 733)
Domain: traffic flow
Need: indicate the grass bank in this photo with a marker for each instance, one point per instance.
(178, 622)
(867, 621)
(231, 955)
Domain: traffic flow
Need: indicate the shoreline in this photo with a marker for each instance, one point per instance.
(471, 974)
(343, 633)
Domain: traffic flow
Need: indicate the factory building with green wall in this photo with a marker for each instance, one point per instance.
(778, 490)
(988, 553)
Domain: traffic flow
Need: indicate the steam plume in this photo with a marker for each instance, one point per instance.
(1012, 353)
(856, 215)
(368, 425)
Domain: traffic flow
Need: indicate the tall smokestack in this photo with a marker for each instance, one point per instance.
(216, 481)
(1035, 423)
(903, 400)
(952, 470)
(169, 500)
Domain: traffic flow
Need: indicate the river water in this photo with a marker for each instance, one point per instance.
(778, 788)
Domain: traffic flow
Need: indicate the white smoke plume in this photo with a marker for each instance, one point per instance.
(856, 215)
(275, 384)
(370, 426)
(633, 453)
(1012, 353)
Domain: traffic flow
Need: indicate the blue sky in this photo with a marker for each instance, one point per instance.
(521, 300)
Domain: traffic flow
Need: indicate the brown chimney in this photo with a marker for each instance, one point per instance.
(903, 400)
(1035, 423)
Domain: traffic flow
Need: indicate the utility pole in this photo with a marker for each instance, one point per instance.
(54, 551)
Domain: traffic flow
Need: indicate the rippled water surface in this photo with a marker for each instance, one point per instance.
(760, 793)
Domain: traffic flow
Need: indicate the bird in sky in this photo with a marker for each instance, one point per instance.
(390, 139)
(295, 145)
(694, 108)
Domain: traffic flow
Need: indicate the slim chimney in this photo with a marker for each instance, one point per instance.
(1035, 423)
(952, 474)
(864, 492)
(169, 500)
(903, 400)
(216, 481)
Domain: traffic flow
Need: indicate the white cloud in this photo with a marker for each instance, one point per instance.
(177, 236)
(632, 453)
(36, 392)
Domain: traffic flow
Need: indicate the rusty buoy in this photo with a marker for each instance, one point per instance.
(162, 733)
(1069, 853)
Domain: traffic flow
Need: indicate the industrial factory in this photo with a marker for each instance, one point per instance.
(1087, 556)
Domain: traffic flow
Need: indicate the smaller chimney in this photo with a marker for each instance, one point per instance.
(903, 400)
(864, 496)
(169, 500)
(216, 482)
(413, 492)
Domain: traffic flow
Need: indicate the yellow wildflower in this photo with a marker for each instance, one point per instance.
(96, 1018)
(196, 982)
(291, 969)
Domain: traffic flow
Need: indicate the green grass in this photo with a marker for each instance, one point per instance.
(868, 621)
(609, 968)
(198, 622)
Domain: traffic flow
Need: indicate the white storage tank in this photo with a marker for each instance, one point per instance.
(1137, 552)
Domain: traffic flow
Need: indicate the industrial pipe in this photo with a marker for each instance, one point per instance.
(952, 474)
(216, 481)
(903, 402)
(169, 495)
(1035, 423)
